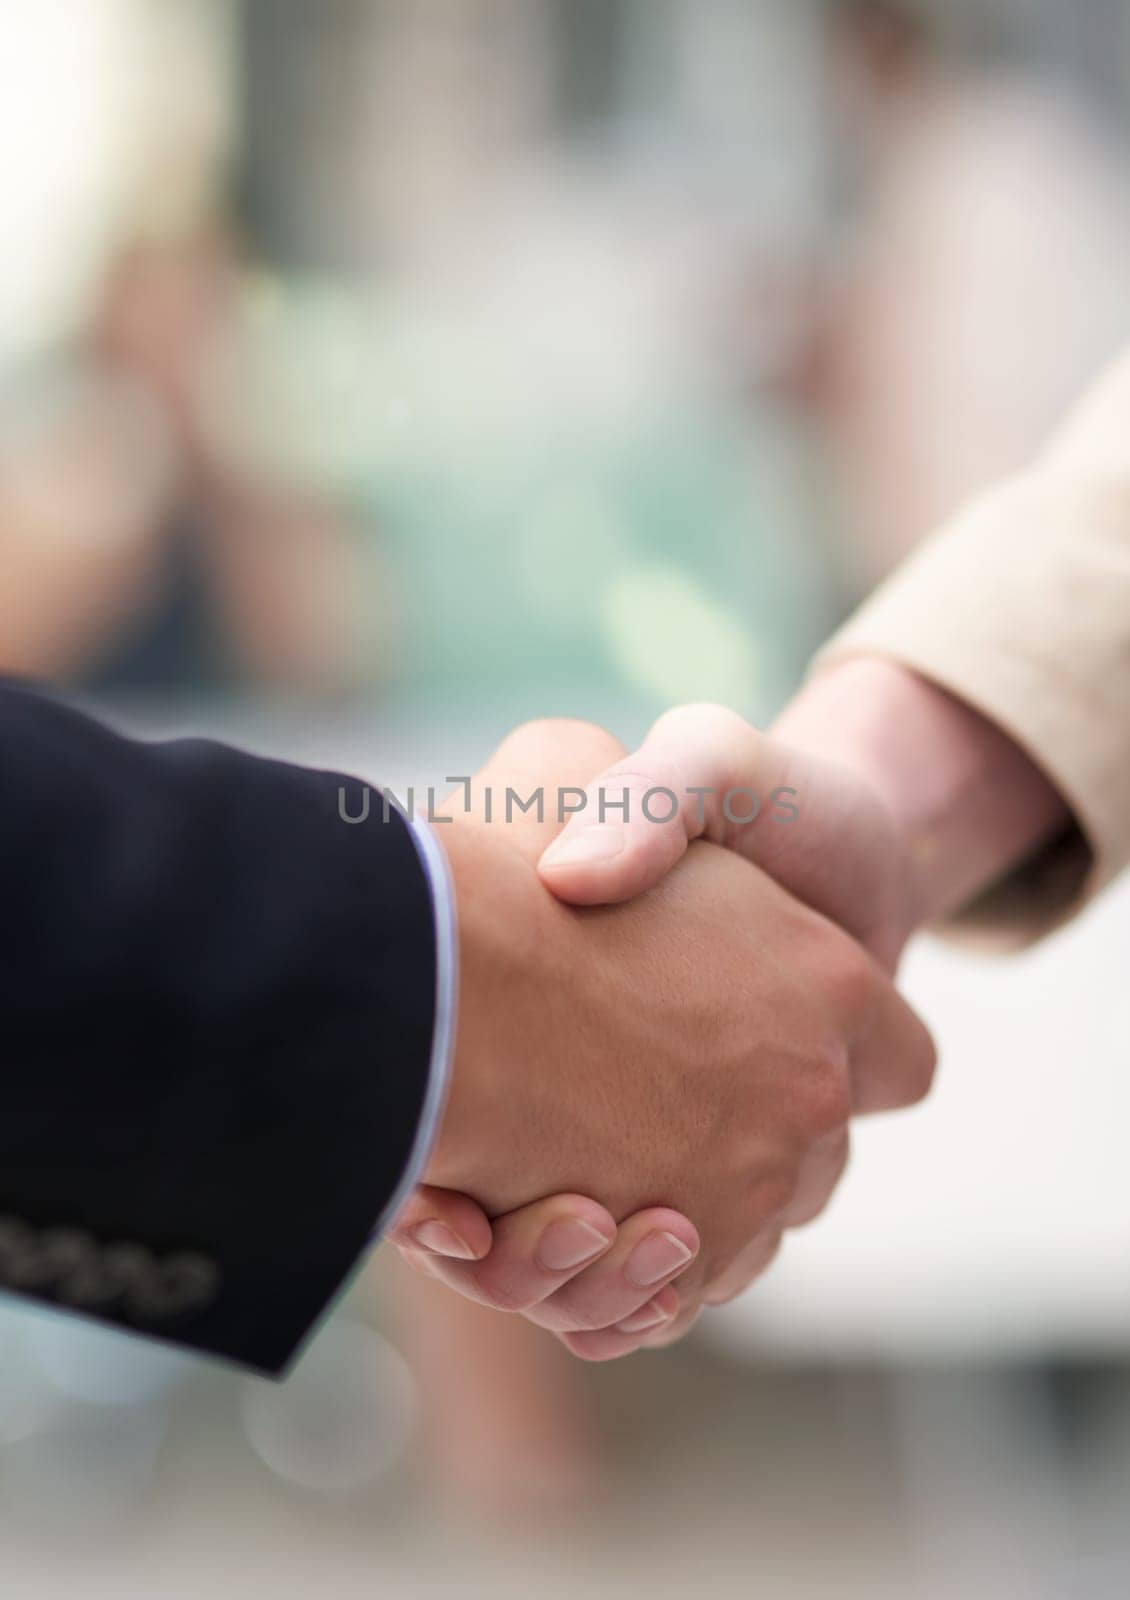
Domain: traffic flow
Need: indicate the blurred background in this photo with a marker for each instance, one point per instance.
(377, 373)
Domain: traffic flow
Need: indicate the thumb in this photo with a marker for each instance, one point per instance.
(704, 772)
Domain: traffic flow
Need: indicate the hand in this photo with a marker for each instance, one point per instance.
(816, 825)
(881, 801)
(529, 1258)
(698, 1047)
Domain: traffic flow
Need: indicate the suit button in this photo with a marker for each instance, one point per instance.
(177, 1286)
(100, 1280)
(34, 1261)
(17, 1251)
(65, 1252)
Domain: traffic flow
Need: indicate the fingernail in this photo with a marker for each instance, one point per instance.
(656, 1257)
(569, 1242)
(578, 845)
(441, 1240)
(649, 1316)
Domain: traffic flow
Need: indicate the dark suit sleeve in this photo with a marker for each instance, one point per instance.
(217, 1001)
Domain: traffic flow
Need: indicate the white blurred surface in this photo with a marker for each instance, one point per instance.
(994, 1219)
(343, 1417)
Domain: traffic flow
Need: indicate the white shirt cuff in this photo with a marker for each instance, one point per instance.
(436, 870)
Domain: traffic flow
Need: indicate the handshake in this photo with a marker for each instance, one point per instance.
(671, 1008)
(221, 1005)
(669, 1011)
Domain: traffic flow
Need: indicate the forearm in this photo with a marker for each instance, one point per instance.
(966, 801)
(1020, 609)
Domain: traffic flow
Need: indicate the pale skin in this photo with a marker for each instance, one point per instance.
(910, 802)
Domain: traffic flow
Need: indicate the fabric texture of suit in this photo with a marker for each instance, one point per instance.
(218, 1009)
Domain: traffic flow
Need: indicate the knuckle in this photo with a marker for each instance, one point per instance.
(850, 978)
(591, 1308)
(813, 1204)
(825, 1095)
(734, 1283)
(562, 1312)
(772, 1194)
(812, 1208)
(920, 1073)
(503, 1296)
(584, 1318)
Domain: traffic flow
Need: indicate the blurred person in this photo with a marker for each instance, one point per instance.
(982, 276)
(86, 476)
(142, 548)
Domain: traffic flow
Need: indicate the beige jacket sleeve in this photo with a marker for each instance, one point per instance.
(1021, 608)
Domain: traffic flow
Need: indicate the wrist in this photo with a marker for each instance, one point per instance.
(491, 886)
(447, 1161)
(966, 803)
